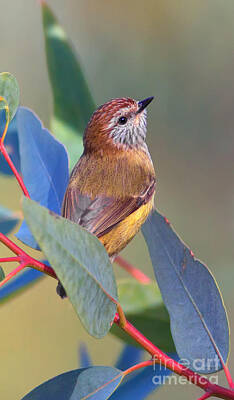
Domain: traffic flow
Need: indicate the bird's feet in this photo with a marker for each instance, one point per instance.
(61, 291)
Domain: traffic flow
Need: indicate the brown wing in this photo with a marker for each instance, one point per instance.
(100, 215)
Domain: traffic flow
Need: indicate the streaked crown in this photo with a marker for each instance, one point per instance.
(119, 122)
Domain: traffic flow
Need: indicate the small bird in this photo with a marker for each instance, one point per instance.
(111, 188)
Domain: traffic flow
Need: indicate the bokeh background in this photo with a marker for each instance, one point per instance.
(182, 53)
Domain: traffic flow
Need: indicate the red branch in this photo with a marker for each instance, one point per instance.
(9, 259)
(14, 170)
(26, 260)
(166, 361)
(135, 272)
(4, 152)
(135, 367)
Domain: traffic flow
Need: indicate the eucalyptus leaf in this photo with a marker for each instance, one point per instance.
(58, 388)
(73, 103)
(141, 384)
(97, 383)
(9, 89)
(198, 317)
(80, 262)
(44, 166)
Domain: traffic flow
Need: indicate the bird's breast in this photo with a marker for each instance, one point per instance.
(120, 175)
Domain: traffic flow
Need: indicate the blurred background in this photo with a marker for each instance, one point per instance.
(182, 53)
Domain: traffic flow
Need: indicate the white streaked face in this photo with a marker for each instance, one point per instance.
(127, 127)
(121, 122)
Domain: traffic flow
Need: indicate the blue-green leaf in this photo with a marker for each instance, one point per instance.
(73, 103)
(143, 382)
(198, 317)
(44, 166)
(57, 388)
(96, 383)
(80, 262)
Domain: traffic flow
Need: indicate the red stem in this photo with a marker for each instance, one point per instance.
(14, 170)
(32, 262)
(138, 366)
(24, 259)
(9, 259)
(135, 272)
(12, 246)
(228, 376)
(28, 261)
(205, 396)
(173, 365)
(191, 376)
(12, 274)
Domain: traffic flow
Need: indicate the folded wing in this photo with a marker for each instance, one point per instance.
(101, 214)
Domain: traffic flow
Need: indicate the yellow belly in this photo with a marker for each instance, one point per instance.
(115, 240)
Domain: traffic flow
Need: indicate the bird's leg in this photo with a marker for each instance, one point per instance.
(61, 291)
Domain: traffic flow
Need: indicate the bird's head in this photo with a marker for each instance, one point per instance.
(119, 123)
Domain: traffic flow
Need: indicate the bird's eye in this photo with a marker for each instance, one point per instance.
(122, 120)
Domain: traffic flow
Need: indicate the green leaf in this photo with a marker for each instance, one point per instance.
(80, 262)
(143, 306)
(9, 89)
(73, 103)
(2, 274)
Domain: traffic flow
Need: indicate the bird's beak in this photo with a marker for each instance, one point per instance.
(144, 103)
